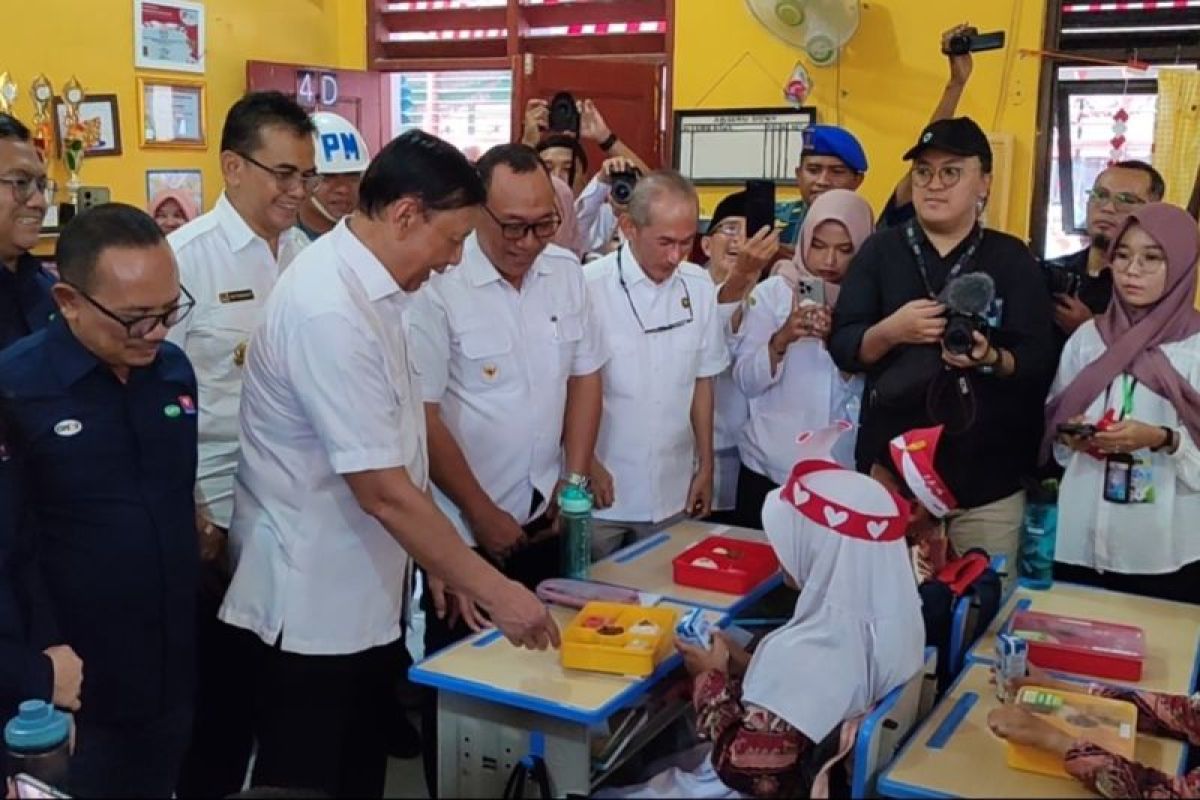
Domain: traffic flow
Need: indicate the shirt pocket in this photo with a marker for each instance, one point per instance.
(564, 339)
(488, 363)
(683, 358)
(219, 344)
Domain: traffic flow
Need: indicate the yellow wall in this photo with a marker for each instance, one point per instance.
(57, 39)
(891, 75)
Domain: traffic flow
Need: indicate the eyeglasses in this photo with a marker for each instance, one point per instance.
(516, 231)
(25, 188)
(1122, 201)
(141, 327)
(687, 303)
(948, 174)
(1148, 263)
(731, 229)
(288, 178)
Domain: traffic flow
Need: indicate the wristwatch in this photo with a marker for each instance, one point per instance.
(580, 480)
(1169, 444)
(608, 143)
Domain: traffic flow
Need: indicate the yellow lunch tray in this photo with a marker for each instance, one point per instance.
(618, 638)
(1109, 723)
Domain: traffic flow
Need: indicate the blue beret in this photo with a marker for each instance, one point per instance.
(830, 140)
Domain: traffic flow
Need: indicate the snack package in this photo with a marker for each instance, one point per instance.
(695, 629)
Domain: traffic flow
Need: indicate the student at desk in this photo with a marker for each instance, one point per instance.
(778, 720)
(1107, 774)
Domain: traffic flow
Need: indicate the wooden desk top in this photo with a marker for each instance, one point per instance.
(1172, 629)
(970, 761)
(488, 667)
(646, 566)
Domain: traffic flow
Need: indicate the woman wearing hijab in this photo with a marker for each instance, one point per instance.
(1131, 492)
(172, 209)
(777, 719)
(781, 363)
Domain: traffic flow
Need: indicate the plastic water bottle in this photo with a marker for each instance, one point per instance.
(38, 743)
(1037, 543)
(575, 504)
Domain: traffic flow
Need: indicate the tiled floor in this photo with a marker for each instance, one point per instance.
(406, 779)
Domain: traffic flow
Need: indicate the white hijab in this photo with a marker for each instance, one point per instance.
(857, 631)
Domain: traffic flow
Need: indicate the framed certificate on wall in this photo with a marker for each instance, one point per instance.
(171, 113)
(169, 35)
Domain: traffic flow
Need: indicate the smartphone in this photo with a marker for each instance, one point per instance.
(760, 206)
(1080, 429)
(33, 788)
(811, 289)
(972, 41)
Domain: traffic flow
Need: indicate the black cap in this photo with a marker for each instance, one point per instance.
(733, 205)
(960, 136)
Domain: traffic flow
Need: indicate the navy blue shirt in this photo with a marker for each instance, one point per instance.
(25, 673)
(25, 302)
(111, 468)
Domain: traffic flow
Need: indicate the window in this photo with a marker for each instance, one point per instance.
(471, 109)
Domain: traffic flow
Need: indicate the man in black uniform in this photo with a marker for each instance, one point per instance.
(103, 412)
(25, 303)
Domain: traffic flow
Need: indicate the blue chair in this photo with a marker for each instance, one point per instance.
(966, 613)
(886, 727)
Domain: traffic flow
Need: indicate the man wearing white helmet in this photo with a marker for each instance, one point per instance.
(342, 157)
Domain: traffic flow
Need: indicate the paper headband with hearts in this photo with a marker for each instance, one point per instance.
(839, 510)
(913, 453)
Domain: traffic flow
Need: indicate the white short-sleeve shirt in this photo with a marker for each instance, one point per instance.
(328, 392)
(230, 271)
(646, 440)
(497, 361)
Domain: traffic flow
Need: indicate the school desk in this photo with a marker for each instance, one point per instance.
(954, 754)
(646, 567)
(498, 703)
(1172, 629)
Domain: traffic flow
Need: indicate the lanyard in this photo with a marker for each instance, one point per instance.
(910, 233)
(1128, 387)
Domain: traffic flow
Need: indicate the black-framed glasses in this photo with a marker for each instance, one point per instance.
(1122, 201)
(288, 178)
(948, 174)
(687, 303)
(143, 326)
(516, 231)
(25, 188)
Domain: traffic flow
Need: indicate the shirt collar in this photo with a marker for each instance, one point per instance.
(371, 272)
(631, 270)
(71, 360)
(956, 251)
(480, 270)
(237, 230)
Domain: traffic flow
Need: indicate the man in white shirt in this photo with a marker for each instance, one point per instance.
(658, 314)
(332, 493)
(229, 259)
(509, 359)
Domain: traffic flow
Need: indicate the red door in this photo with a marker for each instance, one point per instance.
(359, 96)
(628, 93)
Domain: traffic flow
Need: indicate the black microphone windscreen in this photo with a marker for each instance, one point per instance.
(970, 294)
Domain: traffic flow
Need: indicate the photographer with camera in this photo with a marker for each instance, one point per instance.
(981, 370)
(1081, 282)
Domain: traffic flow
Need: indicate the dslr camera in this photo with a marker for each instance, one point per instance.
(967, 299)
(622, 185)
(959, 338)
(1060, 280)
(564, 114)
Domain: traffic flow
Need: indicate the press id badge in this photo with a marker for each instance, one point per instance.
(1141, 480)
(1118, 478)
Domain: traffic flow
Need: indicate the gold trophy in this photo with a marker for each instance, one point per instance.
(8, 92)
(43, 132)
(76, 138)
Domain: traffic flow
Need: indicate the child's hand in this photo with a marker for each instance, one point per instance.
(697, 660)
(739, 657)
(1020, 726)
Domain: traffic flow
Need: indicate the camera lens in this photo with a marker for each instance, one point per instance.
(959, 336)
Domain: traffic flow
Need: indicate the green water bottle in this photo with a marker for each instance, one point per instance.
(575, 505)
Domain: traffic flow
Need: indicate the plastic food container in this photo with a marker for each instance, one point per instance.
(1109, 723)
(618, 638)
(721, 564)
(1082, 646)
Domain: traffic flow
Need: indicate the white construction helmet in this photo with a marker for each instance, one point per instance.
(340, 147)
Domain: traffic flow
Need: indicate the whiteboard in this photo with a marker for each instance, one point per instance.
(729, 146)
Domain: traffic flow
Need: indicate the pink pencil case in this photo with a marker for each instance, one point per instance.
(576, 594)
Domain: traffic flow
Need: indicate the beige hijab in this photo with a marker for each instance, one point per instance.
(838, 205)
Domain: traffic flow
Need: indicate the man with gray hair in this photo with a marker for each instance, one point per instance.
(658, 316)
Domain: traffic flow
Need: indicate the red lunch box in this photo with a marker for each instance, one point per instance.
(722, 564)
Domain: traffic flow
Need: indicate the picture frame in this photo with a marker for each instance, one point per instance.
(172, 114)
(100, 107)
(169, 35)
(189, 182)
